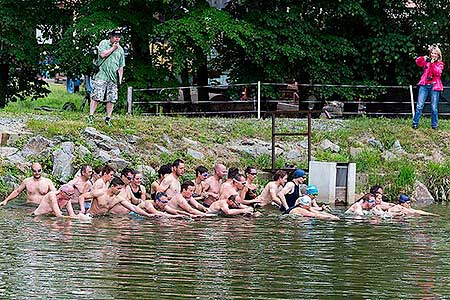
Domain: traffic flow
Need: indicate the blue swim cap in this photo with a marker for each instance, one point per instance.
(312, 189)
(299, 173)
(306, 201)
(402, 198)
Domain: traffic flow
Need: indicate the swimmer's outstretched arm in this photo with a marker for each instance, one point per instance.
(235, 211)
(135, 208)
(422, 213)
(14, 194)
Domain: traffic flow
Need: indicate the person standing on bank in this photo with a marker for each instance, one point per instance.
(430, 84)
(105, 83)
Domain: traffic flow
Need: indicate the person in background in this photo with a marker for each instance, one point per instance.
(430, 84)
(171, 183)
(201, 174)
(269, 195)
(163, 171)
(137, 189)
(249, 192)
(291, 191)
(111, 61)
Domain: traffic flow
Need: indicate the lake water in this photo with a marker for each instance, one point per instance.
(224, 258)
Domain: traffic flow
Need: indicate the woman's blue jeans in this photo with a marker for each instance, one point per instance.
(424, 91)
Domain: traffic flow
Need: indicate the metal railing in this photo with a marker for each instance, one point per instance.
(262, 97)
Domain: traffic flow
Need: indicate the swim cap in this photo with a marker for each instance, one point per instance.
(159, 195)
(312, 189)
(305, 201)
(67, 188)
(402, 198)
(299, 173)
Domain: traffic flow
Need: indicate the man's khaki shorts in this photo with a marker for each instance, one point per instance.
(104, 91)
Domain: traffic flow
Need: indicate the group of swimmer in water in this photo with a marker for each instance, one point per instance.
(228, 193)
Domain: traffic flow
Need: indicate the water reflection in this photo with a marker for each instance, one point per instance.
(271, 257)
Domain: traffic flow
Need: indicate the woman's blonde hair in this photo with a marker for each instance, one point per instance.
(436, 48)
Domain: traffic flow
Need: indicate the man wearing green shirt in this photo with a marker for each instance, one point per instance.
(111, 60)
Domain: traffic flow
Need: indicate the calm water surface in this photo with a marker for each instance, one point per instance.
(224, 258)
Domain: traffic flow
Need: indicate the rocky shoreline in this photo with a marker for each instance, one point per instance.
(19, 146)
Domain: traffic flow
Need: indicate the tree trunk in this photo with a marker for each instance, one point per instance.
(185, 82)
(3, 84)
(202, 78)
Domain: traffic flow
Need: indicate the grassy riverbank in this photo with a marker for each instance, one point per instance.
(422, 157)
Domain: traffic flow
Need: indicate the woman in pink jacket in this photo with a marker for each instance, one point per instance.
(430, 84)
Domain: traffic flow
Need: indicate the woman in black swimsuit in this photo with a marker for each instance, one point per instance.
(137, 189)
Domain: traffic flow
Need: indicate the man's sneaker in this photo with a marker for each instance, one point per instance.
(90, 120)
(108, 123)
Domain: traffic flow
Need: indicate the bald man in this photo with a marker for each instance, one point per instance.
(55, 201)
(36, 186)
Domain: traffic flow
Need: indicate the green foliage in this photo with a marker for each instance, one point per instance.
(179, 42)
(438, 180)
(322, 155)
(368, 160)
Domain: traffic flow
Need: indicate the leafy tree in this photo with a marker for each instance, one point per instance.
(20, 52)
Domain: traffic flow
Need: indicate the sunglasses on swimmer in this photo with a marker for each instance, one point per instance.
(36, 171)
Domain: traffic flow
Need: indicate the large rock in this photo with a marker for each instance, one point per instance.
(36, 145)
(9, 137)
(328, 145)
(62, 162)
(94, 135)
(388, 155)
(119, 163)
(147, 171)
(7, 151)
(293, 155)
(397, 148)
(10, 181)
(195, 154)
(132, 139)
(103, 156)
(189, 141)
(83, 151)
(162, 149)
(18, 161)
(422, 195)
(355, 152)
(376, 144)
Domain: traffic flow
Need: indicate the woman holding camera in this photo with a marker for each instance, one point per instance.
(430, 84)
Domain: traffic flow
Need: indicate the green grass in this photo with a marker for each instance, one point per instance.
(55, 100)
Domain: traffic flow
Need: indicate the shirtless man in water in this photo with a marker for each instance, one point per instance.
(214, 183)
(403, 208)
(183, 201)
(228, 207)
(36, 186)
(104, 200)
(55, 201)
(82, 183)
(171, 183)
(270, 193)
(238, 183)
(107, 174)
